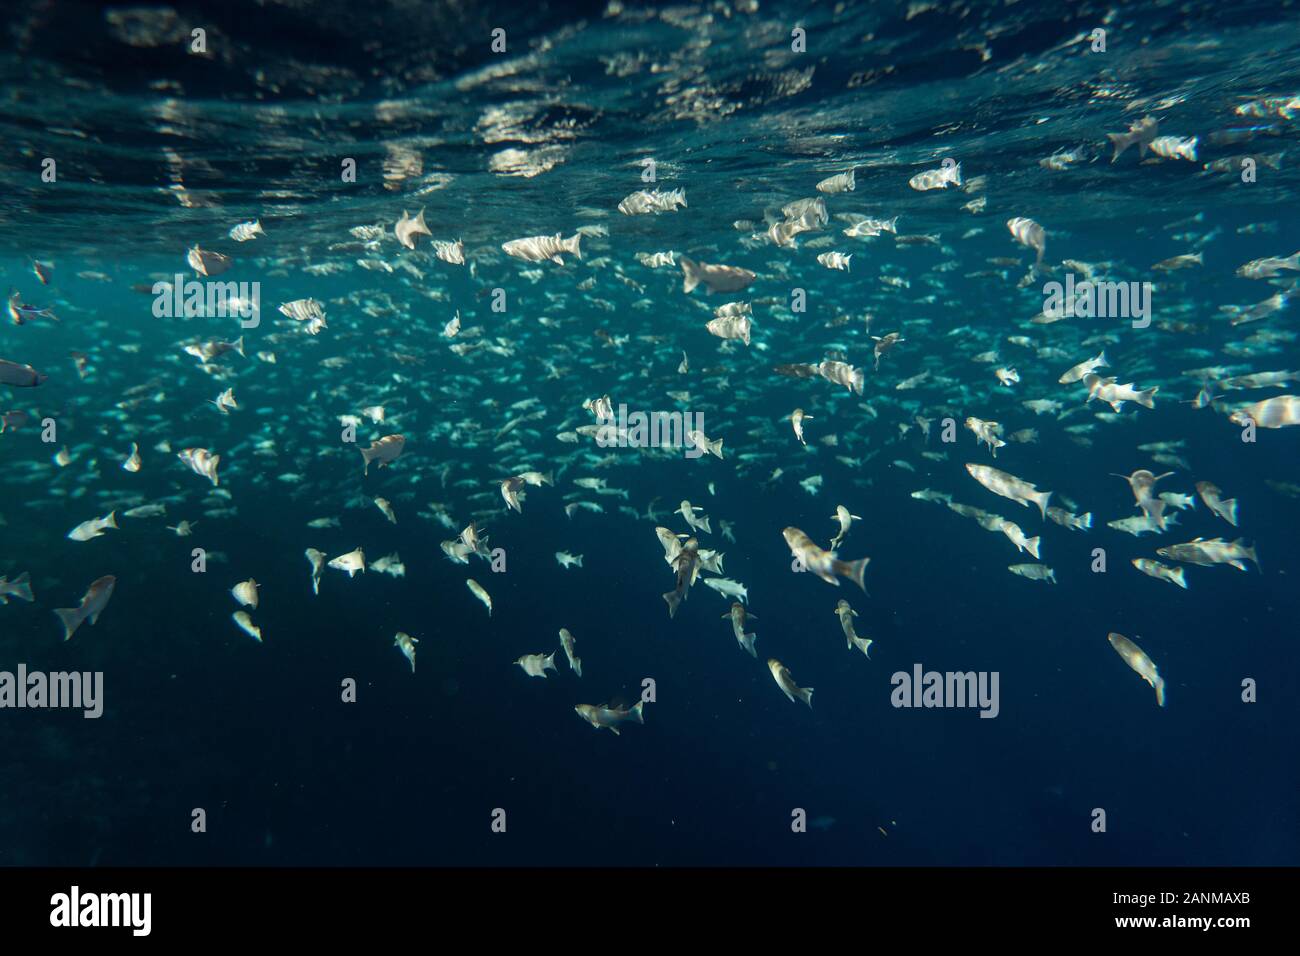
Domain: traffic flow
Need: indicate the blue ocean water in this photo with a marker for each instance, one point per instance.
(157, 149)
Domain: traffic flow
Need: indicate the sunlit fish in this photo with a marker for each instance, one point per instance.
(542, 248)
(384, 450)
(605, 717)
(714, 278)
(1137, 659)
(823, 563)
(781, 674)
(352, 562)
(739, 619)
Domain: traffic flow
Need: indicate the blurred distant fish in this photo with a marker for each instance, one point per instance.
(652, 201)
(714, 278)
(1140, 133)
(202, 462)
(407, 229)
(1029, 234)
(21, 314)
(781, 674)
(20, 587)
(542, 248)
(841, 183)
(246, 231)
(207, 263)
(948, 174)
(92, 605)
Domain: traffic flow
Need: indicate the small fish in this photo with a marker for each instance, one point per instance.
(406, 644)
(781, 674)
(93, 528)
(92, 605)
(603, 716)
(247, 626)
(477, 590)
(317, 561)
(568, 643)
(246, 231)
(841, 183)
(132, 463)
(1161, 572)
(245, 592)
(352, 562)
(1137, 659)
(536, 665)
(714, 278)
(740, 617)
(385, 450)
(20, 587)
(207, 263)
(846, 614)
(1035, 572)
(948, 174)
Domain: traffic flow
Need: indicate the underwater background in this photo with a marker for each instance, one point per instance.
(158, 149)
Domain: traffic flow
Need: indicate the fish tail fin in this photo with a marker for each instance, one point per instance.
(715, 448)
(1147, 397)
(21, 587)
(571, 244)
(1159, 684)
(805, 695)
(858, 380)
(1180, 577)
(1250, 553)
(855, 571)
(1230, 511)
(365, 456)
(1031, 545)
(1040, 499)
(70, 618)
(1086, 521)
(690, 274)
(748, 644)
(239, 346)
(111, 520)
(673, 599)
(704, 523)
(1121, 142)
(637, 713)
